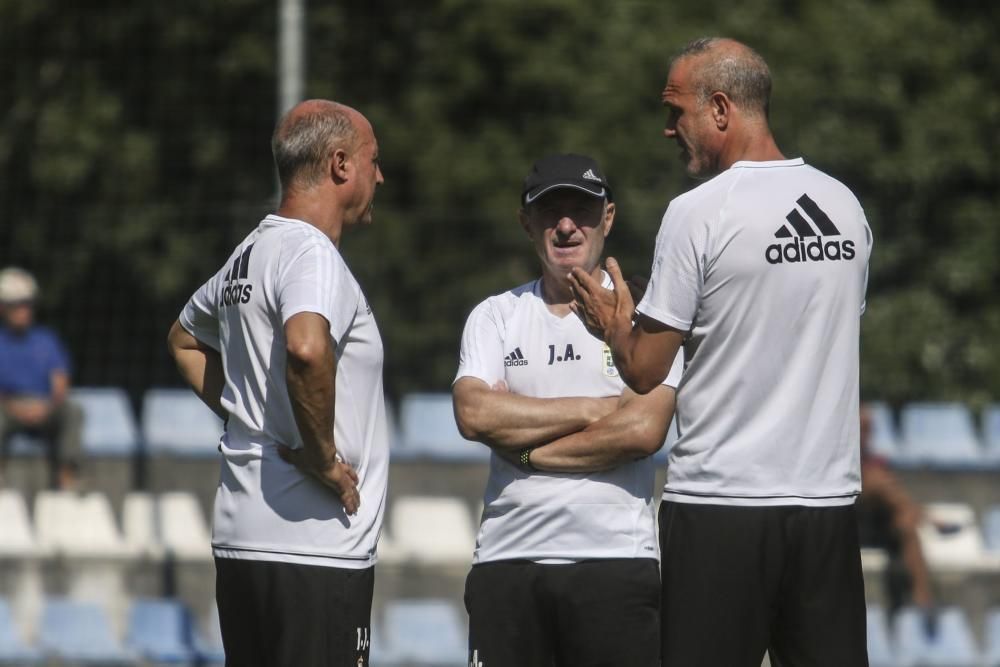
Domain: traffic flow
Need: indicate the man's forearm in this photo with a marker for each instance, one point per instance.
(634, 431)
(200, 366)
(311, 390)
(505, 420)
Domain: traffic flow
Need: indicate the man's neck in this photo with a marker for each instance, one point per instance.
(757, 145)
(556, 292)
(320, 215)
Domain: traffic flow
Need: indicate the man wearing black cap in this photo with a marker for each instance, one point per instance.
(565, 570)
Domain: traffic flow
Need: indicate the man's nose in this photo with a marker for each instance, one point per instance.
(566, 225)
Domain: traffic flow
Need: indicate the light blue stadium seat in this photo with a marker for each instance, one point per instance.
(991, 528)
(991, 656)
(991, 432)
(880, 653)
(380, 653)
(427, 425)
(109, 426)
(940, 434)
(884, 437)
(176, 423)
(13, 649)
(159, 630)
(80, 632)
(425, 631)
(952, 644)
(208, 642)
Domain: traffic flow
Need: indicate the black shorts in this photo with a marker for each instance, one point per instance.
(290, 615)
(739, 581)
(597, 613)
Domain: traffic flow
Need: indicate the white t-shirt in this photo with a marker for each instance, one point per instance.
(265, 509)
(554, 517)
(766, 266)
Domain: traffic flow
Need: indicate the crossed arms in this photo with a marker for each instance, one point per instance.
(572, 434)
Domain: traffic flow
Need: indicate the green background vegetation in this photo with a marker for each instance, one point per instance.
(134, 153)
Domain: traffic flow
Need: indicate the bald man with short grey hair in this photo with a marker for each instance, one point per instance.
(302, 491)
(760, 274)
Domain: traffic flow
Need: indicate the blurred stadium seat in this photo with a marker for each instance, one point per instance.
(16, 536)
(991, 432)
(428, 430)
(950, 537)
(939, 434)
(13, 649)
(950, 644)
(991, 528)
(158, 629)
(991, 632)
(208, 640)
(885, 441)
(425, 632)
(183, 528)
(176, 423)
(78, 525)
(432, 530)
(80, 632)
(109, 427)
(141, 524)
(880, 653)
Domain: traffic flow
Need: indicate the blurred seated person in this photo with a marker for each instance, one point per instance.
(34, 381)
(887, 519)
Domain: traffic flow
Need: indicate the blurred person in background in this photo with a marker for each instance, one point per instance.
(565, 570)
(282, 343)
(888, 518)
(35, 381)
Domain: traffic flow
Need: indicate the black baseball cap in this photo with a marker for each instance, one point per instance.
(565, 171)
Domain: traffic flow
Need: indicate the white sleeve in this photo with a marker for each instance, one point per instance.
(200, 316)
(315, 279)
(676, 279)
(482, 345)
(676, 370)
(870, 241)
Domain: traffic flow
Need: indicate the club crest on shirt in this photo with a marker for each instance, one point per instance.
(610, 370)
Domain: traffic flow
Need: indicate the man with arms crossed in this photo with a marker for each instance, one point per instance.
(282, 343)
(760, 273)
(565, 568)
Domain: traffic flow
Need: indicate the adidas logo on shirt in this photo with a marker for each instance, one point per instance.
(515, 358)
(235, 291)
(805, 245)
(591, 176)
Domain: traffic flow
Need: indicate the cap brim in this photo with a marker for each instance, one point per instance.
(596, 190)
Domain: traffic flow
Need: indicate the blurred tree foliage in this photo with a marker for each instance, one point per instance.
(135, 135)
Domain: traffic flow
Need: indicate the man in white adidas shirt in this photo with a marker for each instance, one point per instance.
(565, 567)
(760, 274)
(282, 343)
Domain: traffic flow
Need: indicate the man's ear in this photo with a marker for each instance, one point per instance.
(721, 107)
(339, 169)
(609, 218)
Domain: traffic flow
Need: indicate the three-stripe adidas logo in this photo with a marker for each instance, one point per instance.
(798, 248)
(515, 358)
(591, 176)
(235, 292)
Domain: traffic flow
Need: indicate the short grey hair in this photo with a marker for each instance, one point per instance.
(302, 144)
(740, 73)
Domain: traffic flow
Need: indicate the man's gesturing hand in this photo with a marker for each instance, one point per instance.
(606, 313)
(339, 476)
